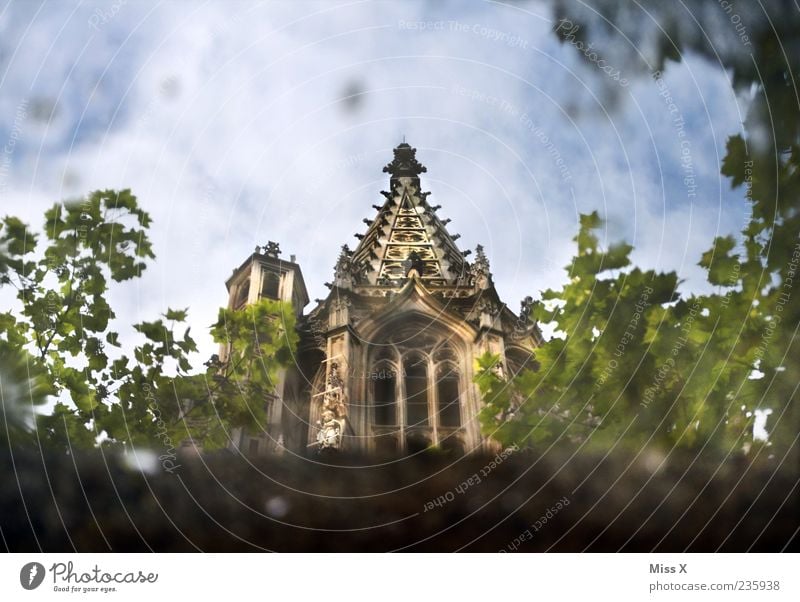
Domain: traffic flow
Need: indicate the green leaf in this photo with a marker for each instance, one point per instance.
(178, 315)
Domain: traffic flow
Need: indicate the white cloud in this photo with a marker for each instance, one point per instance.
(230, 124)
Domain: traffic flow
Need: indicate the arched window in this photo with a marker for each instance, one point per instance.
(415, 388)
(384, 387)
(415, 373)
(242, 294)
(449, 409)
(444, 352)
(519, 359)
(270, 284)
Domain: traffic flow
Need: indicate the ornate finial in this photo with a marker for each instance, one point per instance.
(405, 162)
(480, 257)
(272, 249)
(343, 277)
(524, 322)
(525, 308)
(480, 274)
(344, 258)
(348, 271)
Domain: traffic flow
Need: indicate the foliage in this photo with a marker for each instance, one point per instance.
(695, 369)
(61, 345)
(260, 339)
(633, 361)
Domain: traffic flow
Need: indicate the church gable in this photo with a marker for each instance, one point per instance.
(415, 300)
(386, 361)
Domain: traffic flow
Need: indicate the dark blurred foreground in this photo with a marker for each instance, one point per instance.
(95, 502)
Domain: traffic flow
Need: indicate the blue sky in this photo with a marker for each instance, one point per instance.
(239, 123)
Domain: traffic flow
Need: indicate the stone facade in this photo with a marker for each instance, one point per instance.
(386, 361)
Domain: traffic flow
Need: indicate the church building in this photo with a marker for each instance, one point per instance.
(386, 362)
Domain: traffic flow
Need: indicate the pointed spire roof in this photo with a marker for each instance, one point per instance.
(407, 233)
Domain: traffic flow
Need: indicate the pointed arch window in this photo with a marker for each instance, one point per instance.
(384, 394)
(415, 376)
(448, 395)
(416, 391)
(445, 353)
(242, 293)
(519, 359)
(270, 284)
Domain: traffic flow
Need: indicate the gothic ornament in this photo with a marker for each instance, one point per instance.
(330, 432)
(340, 311)
(333, 416)
(414, 262)
(526, 306)
(343, 271)
(480, 275)
(405, 163)
(272, 249)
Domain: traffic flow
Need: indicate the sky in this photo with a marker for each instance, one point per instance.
(239, 123)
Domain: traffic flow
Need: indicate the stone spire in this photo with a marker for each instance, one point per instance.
(406, 231)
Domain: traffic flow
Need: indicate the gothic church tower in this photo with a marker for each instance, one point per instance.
(386, 361)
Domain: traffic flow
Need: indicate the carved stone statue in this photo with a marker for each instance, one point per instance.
(330, 431)
(414, 262)
(333, 400)
(333, 412)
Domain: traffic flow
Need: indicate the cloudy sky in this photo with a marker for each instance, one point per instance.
(239, 123)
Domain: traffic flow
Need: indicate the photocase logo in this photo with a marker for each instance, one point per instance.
(31, 575)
